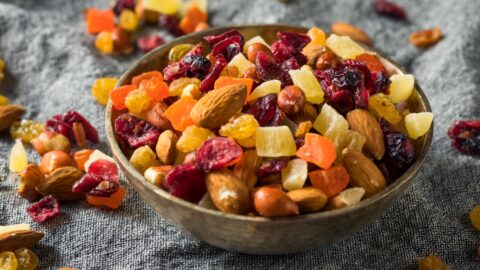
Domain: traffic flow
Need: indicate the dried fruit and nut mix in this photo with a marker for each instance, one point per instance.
(305, 124)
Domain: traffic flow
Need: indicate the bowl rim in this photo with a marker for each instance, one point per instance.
(403, 180)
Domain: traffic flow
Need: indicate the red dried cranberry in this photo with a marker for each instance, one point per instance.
(381, 83)
(268, 69)
(174, 71)
(390, 9)
(272, 166)
(106, 169)
(277, 118)
(299, 142)
(63, 124)
(119, 5)
(136, 132)
(170, 23)
(87, 183)
(59, 127)
(44, 209)
(105, 189)
(212, 40)
(228, 47)
(298, 41)
(147, 44)
(209, 81)
(264, 109)
(400, 152)
(217, 153)
(288, 49)
(465, 136)
(186, 181)
(170, 100)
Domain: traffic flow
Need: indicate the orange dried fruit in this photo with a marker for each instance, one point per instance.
(113, 201)
(331, 181)
(147, 76)
(119, 94)
(226, 81)
(318, 150)
(179, 113)
(99, 20)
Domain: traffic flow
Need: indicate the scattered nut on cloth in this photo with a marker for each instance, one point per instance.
(51, 65)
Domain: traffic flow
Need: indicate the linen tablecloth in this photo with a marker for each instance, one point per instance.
(51, 65)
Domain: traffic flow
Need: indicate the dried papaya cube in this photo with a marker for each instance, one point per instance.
(331, 181)
(179, 113)
(99, 20)
(119, 94)
(113, 201)
(146, 76)
(318, 150)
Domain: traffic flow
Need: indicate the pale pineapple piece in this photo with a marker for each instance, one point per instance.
(418, 124)
(275, 142)
(255, 39)
(241, 63)
(295, 174)
(344, 46)
(330, 123)
(268, 87)
(18, 159)
(305, 80)
(401, 87)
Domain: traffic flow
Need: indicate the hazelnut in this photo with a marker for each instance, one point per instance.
(253, 50)
(327, 60)
(312, 52)
(155, 116)
(49, 141)
(291, 99)
(30, 177)
(54, 160)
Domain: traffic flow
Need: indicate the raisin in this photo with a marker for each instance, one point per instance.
(264, 109)
(198, 65)
(135, 131)
(387, 8)
(465, 136)
(170, 100)
(170, 23)
(271, 167)
(209, 81)
(400, 152)
(381, 83)
(105, 188)
(186, 181)
(217, 153)
(44, 209)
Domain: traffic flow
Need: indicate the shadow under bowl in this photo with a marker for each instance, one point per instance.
(259, 235)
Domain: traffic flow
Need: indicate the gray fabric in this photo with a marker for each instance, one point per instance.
(51, 66)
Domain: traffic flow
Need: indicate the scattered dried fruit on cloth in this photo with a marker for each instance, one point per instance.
(390, 9)
(44, 209)
(346, 29)
(27, 259)
(63, 124)
(465, 136)
(426, 38)
(8, 260)
(432, 262)
(10, 114)
(102, 87)
(26, 130)
(18, 159)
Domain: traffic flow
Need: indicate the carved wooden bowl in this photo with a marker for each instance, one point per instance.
(259, 235)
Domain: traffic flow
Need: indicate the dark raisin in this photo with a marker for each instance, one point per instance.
(272, 166)
(465, 136)
(264, 109)
(381, 83)
(390, 9)
(400, 152)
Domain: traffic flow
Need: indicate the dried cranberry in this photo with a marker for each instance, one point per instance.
(136, 132)
(390, 9)
(288, 51)
(400, 152)
(105, 189)
(277, 118)
(272, 166)
(217, 153)
(381, 83)
(147, 44)
(87, 183)
(209, 81)
(44, 209)
(264, 109)
(106, 169)
(63, 124)
(465, 136)
(298, 41)
(198, 65)
(228, 47)
(174, 71)
(119, 5)
(170, 100)
(186, 181)
(170, 23)
(212, 40)
(268, 69)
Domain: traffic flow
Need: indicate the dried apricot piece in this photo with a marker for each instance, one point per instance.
(192, 18)
(179, 113)
(156, 89)
(432, 262)
(99, 20)
(119, 94)
(146, 76)
(318, 150)
(331, 181)
(226, 81)
(113, 201)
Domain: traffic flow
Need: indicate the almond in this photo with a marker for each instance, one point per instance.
(363, 172)
(12, 240)
(59, 183)
(309, 199)
(426, 38)
(228, 193)
(246, 169)
(367, 125)
(10, 114)
(346, 29)
(166, 147)
(217, 106)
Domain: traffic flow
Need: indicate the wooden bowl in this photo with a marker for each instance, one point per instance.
(259, 235)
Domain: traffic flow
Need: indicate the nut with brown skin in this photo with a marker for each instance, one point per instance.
(54, 160)
(30, 178)
(291, 99)
(327, 60)
(166, 147)
(59, 183)
(49, 141)
(79, 134)
(252, 74)
(155, 116)
(253, 50)
(271, 202)
(9, 114)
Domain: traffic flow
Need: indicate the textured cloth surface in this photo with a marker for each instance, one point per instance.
(51, 66)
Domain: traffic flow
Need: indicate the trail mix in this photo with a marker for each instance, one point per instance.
(15, 241)
(115, 28)
(305, 124)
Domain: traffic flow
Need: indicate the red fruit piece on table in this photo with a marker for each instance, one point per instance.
(105, 188)
(465, 136)
(63, 124)
(106, 169)
(186, 181)
(390, 9)
(318, 150)
(44, 209)
(147, 44)
(331, 181)
(87, 183)
(217, 153)
(119, 94)
(112, 201)
(99, 20)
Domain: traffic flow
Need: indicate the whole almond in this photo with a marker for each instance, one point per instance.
(363, 172)
(218, 106)
(272, 202)
(426, 38)
(165, 147)
(9, 114)
(309, 200)
(346, 29)
(246, 169)
(228, 193)
(12, 240)
(59, 183)
(367, 125)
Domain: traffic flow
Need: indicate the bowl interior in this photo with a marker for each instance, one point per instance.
(158, 59)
